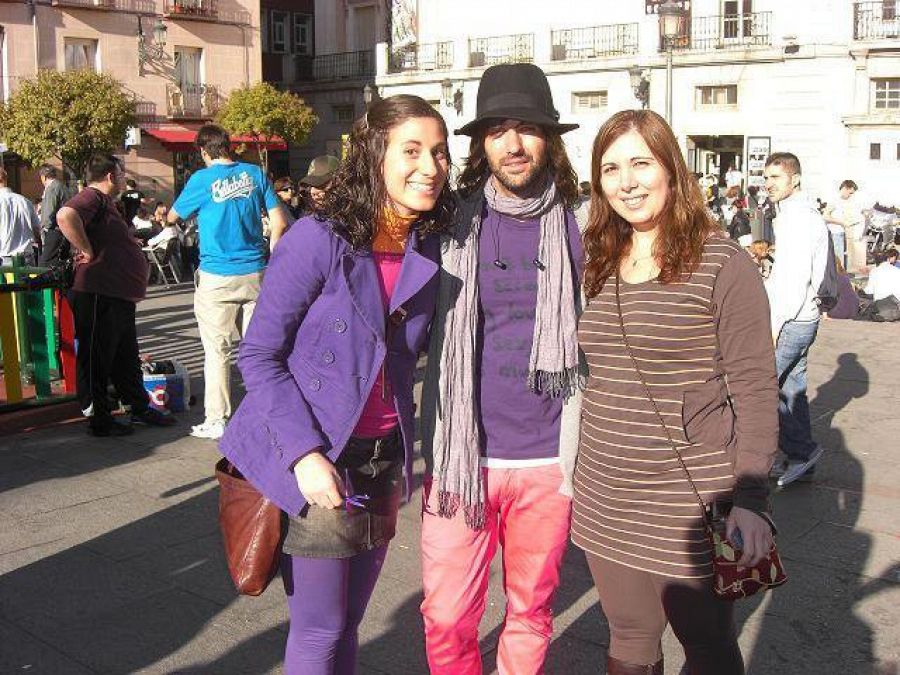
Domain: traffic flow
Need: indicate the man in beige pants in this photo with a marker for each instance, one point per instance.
(228, 198)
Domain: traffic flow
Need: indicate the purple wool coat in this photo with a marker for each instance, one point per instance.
(314, 348)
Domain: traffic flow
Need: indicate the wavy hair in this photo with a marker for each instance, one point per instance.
(477, 169)
(684, 224)
(357, 192)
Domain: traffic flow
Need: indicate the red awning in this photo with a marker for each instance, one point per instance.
(181, 138)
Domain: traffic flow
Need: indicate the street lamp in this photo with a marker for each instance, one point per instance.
(640, 85)
(671, 15)
(151, 51)
(370, 94)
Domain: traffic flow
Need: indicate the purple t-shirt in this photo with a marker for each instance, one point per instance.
(515, 422)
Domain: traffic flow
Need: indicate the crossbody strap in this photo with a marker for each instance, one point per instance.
(653, 403)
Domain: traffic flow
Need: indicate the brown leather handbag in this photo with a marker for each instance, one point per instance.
(729, 581)
(251, 530)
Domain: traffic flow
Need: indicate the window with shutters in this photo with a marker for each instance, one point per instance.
(887, 94)
(588, 101)
(717, 96)
(279, 43)
(81, 54)
(303, 34)
(343, 114)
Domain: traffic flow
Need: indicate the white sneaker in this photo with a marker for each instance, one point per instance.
(779, 466)
(796, 469)
(213, 430)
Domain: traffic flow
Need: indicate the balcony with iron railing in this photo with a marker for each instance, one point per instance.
(191, 101)
(203, 10)
(728, 31)
(144, 112)
(139, 6)
(343, 66)
(876, 20)
(489, 51)
(435, 56)
(577, 44)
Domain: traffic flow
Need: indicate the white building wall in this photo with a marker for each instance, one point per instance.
(815, 102)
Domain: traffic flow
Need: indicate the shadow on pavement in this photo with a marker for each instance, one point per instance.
(133, 597)
(825, 556)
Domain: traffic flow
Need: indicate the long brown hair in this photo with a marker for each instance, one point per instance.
(477, 169)
(357, 193)
(684, 224)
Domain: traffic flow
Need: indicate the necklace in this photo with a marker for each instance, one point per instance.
(635, 261)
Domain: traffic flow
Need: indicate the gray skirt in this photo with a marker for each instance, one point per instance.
(369, 469)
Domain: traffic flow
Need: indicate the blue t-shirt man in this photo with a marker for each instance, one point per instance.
(228, 199)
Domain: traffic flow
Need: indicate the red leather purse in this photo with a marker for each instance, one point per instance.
(251, 528)
(729, 581)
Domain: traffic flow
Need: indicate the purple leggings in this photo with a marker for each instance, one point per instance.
(327, 598)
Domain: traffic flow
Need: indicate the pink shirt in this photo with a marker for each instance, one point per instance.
(379, 416)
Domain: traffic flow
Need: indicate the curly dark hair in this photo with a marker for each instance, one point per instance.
(357, 191)
(684, 225)
(477, 169)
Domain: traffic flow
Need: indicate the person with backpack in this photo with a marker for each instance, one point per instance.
(804, 259)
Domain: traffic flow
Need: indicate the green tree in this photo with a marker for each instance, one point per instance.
(67, 115)
(263, 112)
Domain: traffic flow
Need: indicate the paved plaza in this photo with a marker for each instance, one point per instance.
(110, 558)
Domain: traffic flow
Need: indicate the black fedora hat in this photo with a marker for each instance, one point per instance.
(517, 91)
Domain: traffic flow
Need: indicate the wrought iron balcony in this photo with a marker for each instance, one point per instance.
(145, 111)
(576, 44)
(344, 65)
(203, 10)
(192, 101)
(489, 51)
(141, 6)
(727, 31)
(876, 20)
(435, 56)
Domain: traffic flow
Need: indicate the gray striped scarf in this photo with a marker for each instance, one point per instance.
(449, 395)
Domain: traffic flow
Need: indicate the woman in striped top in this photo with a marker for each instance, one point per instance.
(697, 322)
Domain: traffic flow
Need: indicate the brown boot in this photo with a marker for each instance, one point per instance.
(616, 667)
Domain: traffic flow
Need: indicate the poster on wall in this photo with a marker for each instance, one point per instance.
(758, 149)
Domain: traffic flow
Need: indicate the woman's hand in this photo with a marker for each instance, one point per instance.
(319, 481)
(755, 531)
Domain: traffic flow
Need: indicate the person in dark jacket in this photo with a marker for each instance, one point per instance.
(326, 429)
(55, 249)
(847, 306)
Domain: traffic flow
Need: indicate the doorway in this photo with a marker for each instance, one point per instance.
(715, 154)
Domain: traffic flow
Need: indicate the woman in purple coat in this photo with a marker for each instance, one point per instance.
(327, 426)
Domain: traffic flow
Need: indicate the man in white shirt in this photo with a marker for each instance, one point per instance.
(19, 224)
(734, 177)
(847, 227)
(800, 258)
(884, 280)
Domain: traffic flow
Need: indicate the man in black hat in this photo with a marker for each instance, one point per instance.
(500, 401)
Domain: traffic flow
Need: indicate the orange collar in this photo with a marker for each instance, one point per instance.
(392, 230)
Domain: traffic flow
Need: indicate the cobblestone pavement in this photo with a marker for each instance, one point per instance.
(110, 559)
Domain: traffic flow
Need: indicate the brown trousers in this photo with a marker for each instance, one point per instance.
(638, 605)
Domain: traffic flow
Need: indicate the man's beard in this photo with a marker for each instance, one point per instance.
(523, 183)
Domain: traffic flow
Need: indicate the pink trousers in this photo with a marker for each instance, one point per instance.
(528, 517)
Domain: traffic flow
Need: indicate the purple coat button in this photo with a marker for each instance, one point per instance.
(328, 356)
(315, 384)
(340, 325)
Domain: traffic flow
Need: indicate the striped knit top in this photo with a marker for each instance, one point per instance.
(633, 504)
